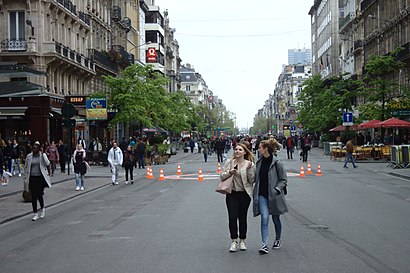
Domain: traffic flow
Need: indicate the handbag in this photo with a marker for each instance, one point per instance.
(225, 186)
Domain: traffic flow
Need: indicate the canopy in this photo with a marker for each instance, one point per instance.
(369, 124)
(393, 123)
(342, 128)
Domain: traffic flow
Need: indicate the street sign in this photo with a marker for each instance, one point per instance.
(347, 119)
(68, 110)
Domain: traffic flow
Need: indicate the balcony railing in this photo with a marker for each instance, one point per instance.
(68, 5)
(365, 4)
(349, 17)
(84, 17)
(103, 58)
(13, 45)
(74, 56)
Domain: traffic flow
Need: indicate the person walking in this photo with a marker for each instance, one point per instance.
(62, 153)
(268, 193)
(242, 168)
(80, 167)
(305, 146)
(128, 164)
(115, 159)
(140, 151)
(219, 148)
(15, 158)
(37, 176)
(53, 156)
(191, 145)
(349, 156)
(290, 147)
(205, 149)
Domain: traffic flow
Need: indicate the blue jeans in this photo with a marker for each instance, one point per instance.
(264, 210)
(79, 180)
(15, 161)
(349, 156)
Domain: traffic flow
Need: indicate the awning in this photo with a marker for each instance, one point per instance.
(342, 128)
(19, 71)
(8, 112)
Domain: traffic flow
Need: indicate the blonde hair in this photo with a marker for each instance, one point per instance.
(271, 144)
(248, 154)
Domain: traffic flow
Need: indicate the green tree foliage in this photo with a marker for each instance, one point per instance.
(323, 101)
(139, 96)
(381, 74)
(260, 125)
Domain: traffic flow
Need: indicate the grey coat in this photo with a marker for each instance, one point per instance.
(277, 178)
(44, 163)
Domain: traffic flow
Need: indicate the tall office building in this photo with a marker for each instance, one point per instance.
(299, 56)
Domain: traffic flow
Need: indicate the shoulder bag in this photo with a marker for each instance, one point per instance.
(225, 186)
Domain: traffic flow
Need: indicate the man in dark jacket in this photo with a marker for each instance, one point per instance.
(62, 151)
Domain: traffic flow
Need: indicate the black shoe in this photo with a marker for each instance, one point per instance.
(132, 182)
(276, 244)
(113, 183)
(264, 249)
(356, 167)
(345, 167)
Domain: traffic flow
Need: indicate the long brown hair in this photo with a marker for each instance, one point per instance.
(271, 144)
(248, 154)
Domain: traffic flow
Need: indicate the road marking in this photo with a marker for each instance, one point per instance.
(207, 176)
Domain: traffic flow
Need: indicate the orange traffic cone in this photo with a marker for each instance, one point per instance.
(147, 173)
(200, 176)
(179, 172)
(161, 175)
(302, 171)
(319, 171)
(219, 168)
(309, 169)
(151, 175)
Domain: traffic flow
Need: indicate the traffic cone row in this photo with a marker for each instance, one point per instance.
(309, 170)
(219, 168)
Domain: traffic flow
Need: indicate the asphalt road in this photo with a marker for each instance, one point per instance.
(348, 220)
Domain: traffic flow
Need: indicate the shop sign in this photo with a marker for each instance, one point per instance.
(96, 108)
(152, 55)
(76, 100)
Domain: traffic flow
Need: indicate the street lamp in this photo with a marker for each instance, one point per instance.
(136, 47)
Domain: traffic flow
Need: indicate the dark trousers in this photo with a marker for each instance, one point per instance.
(290, 152)
(62, 163)
(220, 156)
(36, 186)
(141, 163)
(130, 170)
(238, 204)
(305, 154)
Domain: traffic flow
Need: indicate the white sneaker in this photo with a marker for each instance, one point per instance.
(43, 213)
(242, 245)
(82, 188)
(126, 182)
(77, 188)
(234, 246)
(35, 217)
(116, 183)
(20, 174)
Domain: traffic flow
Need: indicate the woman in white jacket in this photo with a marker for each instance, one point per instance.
(242, 168)
(37, 174)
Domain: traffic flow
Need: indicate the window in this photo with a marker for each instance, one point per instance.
(187, 88)
(17, 26)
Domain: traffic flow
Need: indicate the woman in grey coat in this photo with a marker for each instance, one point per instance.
(268, 192)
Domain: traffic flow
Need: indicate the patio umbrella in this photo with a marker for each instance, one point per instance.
(342, 128)
(394, 123)
(369, 124)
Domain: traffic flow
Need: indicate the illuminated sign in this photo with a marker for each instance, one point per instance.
(76, 100)
(96, 108)
(152, 55)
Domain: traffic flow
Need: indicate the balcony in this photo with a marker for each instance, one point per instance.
(73, 56)
(84, 17)
(345, 21)
(103, 59)
(365, 4)
(169, 52)
(68, 5)
(357, 46)
(122, 55)
(13, 45)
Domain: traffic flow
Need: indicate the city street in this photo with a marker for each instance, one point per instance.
(348, 220)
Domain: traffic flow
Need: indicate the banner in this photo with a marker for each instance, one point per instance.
(96, 108)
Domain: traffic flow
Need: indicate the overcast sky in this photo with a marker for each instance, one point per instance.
(239, 46)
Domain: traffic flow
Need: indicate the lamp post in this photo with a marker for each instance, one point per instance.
(136, 47)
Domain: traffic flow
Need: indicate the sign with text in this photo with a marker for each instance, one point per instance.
(152, 55)
(96, 108)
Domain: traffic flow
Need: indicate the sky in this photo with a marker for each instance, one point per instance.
(239, 46)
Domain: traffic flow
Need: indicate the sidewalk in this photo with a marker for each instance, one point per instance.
(63, 189)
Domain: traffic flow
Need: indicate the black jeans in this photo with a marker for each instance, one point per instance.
(129, 169)
(290, 152)
(36, 186)
(62, 163)
(220, 156)
(238, 203)
(305, 154)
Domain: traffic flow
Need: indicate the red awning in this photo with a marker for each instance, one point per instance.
(342, 128)
(370, 124)
(394, 122)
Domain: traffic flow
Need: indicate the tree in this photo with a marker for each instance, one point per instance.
(139, 95)
(381, 85)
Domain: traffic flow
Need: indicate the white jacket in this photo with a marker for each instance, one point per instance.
(117, 159)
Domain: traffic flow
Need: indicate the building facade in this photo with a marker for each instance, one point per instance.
(299, 56)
